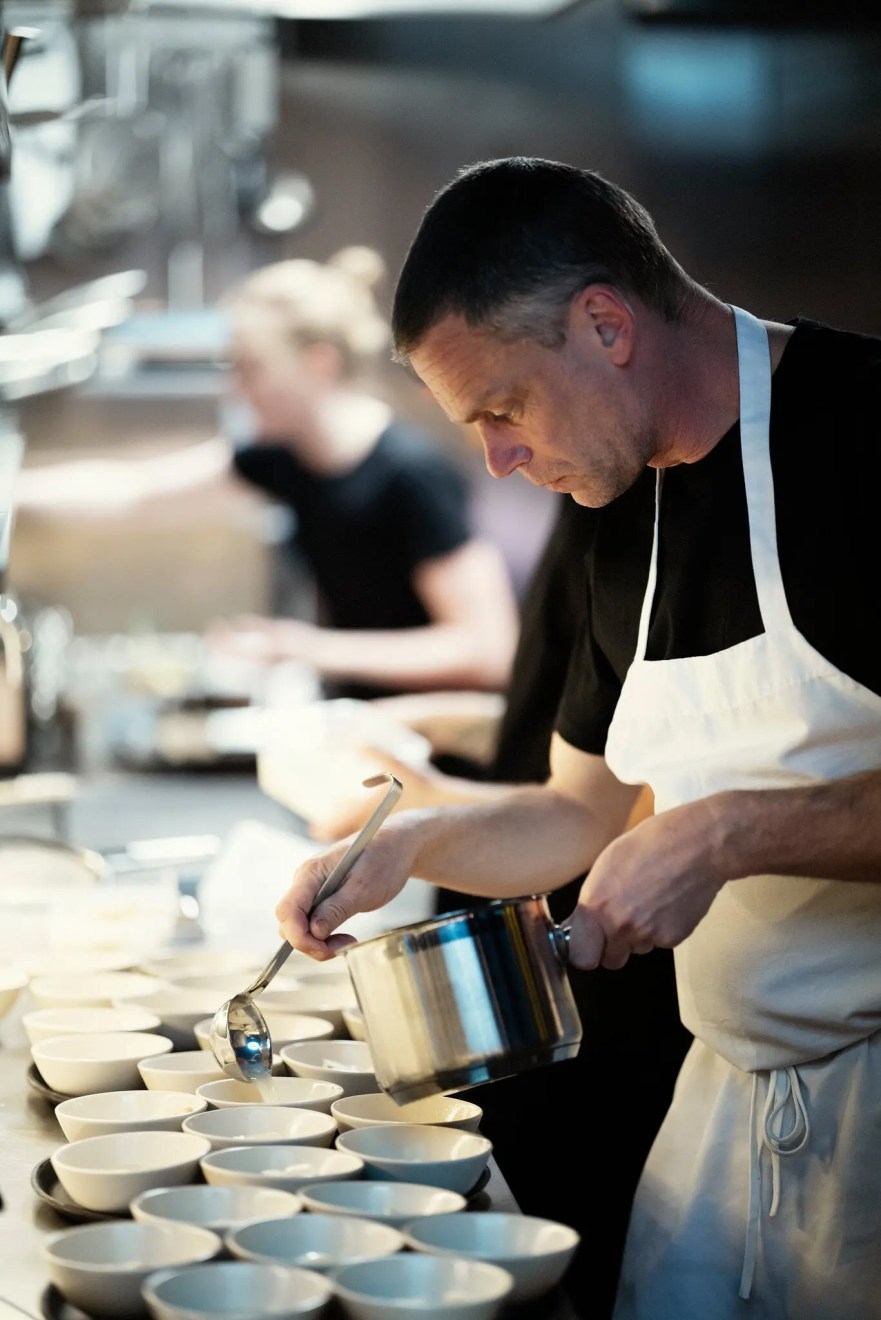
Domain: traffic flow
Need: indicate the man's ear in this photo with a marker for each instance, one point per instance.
(606, 318)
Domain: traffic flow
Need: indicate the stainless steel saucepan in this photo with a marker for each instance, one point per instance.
(466, 998)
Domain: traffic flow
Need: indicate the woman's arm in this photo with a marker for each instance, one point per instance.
(469, 642)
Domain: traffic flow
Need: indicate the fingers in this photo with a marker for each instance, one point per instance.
(293, 912)
(586, 940)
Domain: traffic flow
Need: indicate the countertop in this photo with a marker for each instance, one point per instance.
(111, 810)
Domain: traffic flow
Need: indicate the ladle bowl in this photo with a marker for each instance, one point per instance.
(239, 1036)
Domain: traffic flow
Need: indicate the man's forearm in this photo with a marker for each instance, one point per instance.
(525, 840)
(828, 831)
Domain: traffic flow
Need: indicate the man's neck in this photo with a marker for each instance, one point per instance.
(700, 396)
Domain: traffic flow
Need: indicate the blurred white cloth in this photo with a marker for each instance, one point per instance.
(309, 754)
(241, 887)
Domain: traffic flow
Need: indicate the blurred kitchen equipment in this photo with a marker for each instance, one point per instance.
(95, 305)
(466, 998)
(13, 696)
(35, 874)
(239, 1035)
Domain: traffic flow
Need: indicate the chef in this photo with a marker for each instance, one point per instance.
(727, 660)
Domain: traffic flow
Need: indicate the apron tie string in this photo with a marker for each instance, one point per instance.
(784, 1130)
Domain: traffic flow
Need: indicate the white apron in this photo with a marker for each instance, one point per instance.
(762, 1194)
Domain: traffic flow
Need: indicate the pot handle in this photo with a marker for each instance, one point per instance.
(560, 936)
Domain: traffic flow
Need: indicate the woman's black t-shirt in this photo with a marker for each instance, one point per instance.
(826, 462)
(364, 532)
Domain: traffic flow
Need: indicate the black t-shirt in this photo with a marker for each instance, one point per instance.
(364, 532)
(826, 462)
(551, 616)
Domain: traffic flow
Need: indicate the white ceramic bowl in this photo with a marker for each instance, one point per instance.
(239, 1289)
(179, 1010)
(290, 1092)
(82, 1065)
(287, 1167)
(217, 1208)
(412, 1285)
(223, 985)
(106, 1113)
(101, 1267)
(12, 981)
(107, 1173)
(80, 962)
(346, 1062)
(44, 1023)
(284, 1029)
(265, 1125)
(317, 1242)
(394, 1203)
(187, 1070)
(408, 1152)
(378, 1110)
(175, 963)
(100, 990)
(353, 1021)
(324, 998)
(535, 1252)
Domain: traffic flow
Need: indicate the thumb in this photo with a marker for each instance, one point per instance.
(586, 940)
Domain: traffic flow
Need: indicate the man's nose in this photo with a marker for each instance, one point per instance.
(502, 459)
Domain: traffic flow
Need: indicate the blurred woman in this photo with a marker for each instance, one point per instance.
(408, 599)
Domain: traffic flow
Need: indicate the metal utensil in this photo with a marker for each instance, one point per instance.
(239, 1035)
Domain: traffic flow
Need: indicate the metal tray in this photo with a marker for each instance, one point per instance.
(44, 1181)
(37, 1083)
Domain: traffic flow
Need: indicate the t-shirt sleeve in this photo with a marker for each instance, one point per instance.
(590, 695)
(431, 509)
(268, 467)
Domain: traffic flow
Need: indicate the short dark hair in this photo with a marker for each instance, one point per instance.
(508, 244)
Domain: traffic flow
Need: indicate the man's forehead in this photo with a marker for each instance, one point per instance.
(456, 361)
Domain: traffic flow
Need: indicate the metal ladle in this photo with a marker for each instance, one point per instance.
(239, 1035)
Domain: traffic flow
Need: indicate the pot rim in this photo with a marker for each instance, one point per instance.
(446, 918)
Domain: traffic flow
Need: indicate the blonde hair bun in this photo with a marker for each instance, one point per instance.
(317, 302)
(360, 263)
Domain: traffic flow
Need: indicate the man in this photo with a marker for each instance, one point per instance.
(728, 660)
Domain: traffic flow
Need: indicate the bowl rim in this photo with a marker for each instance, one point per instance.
(306, 1192)
(285, 1077)
(213, 1155)
(115, 1267)
(67, 1106)
(286, 1110)
(162, 1275)
(504, 1280)
(61, 1152)
(354, 1133)
(31, 1019)
(412, 1231)
(38, 1048)
(173, 1057)
(373, 1096)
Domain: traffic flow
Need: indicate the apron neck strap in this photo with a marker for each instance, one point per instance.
(754, 374)
(754, 370)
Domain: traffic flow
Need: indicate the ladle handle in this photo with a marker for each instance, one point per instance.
(339, 872)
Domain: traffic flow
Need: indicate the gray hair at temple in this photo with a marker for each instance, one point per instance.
(509, 243)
